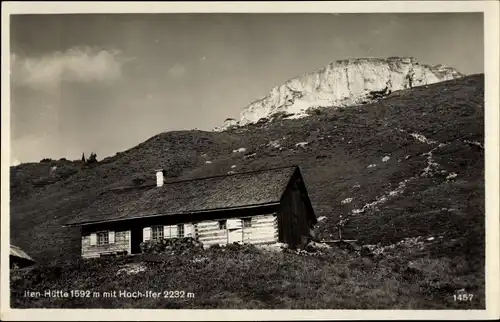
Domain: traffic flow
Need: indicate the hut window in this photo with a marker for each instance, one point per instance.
(222, 224)
(102, 238)
(180, 230)
(157, 232)
(247, 222)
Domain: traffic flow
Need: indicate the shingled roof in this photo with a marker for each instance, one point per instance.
(18, 252)
(240, 190)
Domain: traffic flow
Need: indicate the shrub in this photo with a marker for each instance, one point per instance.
(314, 111)
(234, 246)
(92, 159)
(214, 246)
(170, 244)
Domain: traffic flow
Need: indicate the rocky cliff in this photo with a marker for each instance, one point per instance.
(343, 83)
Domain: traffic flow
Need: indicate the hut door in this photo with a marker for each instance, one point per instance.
(234, 235)
(136, 240)
(234, 231)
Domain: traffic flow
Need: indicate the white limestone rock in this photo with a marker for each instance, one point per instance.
(344, 83)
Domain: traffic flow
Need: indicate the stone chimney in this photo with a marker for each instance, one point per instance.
(159, 177)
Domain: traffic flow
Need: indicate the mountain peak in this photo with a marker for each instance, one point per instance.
(343, 83)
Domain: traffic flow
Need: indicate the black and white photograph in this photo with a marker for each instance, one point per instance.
(232, 160)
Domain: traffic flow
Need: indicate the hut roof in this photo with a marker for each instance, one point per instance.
(234, 191)
(18, 252)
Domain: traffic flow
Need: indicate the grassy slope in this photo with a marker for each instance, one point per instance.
(256, 279)
(341, 145)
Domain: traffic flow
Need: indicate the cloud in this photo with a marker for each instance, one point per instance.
(78, 64)
(177, 70)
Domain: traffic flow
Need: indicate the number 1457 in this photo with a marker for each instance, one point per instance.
(463, 297)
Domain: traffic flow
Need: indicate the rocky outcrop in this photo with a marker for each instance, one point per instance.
(228, 124)
(345, 82)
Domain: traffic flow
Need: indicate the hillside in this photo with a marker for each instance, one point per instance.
(409, 165)
(341, 153)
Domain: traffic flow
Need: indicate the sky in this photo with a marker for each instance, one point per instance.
(106, 82)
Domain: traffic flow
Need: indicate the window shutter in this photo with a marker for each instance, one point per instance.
(173, 231)
(146, 233)
(183, 229)
(166, 231)
(188, 230)
(93, 239)
(111, 237)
